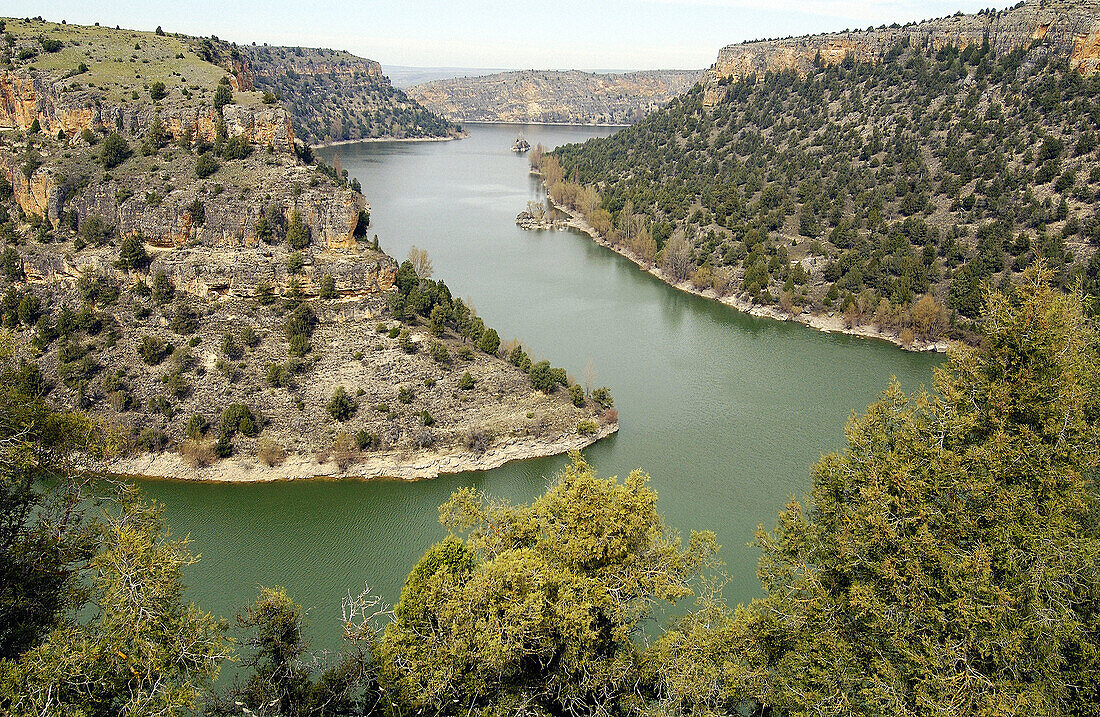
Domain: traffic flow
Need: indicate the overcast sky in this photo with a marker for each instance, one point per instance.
(566, 34)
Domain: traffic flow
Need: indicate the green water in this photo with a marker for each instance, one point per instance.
(725, 411)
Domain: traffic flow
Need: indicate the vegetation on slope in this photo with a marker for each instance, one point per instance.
(859, 187)
(335, 96)
(944, 563)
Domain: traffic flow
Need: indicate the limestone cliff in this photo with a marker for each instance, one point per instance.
(333, 95)
(1067, 27)
(545, 96)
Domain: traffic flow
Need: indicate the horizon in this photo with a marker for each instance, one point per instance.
(650, 35)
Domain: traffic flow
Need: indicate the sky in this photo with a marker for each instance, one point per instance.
(562, 34)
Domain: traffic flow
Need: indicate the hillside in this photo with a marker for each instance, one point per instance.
(336, 96)
(175, 261)
(879, 178)
(546, 96)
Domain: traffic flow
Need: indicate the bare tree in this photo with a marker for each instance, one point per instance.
(421, 262)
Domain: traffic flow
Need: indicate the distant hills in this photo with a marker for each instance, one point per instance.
(572, 97)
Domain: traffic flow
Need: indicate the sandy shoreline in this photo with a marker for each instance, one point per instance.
(827, 323)
(396, 465)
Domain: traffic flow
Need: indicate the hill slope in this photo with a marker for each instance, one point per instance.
(174, 261)
(333, 95)
(857, 173)
(546, 96)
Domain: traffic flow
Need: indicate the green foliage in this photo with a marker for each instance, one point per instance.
(238, 418)
(115, 151)
(489, 342)
(341, 406)
(281, 678)
(945, 560)
(196, 426)
(223, 96)
(539, 607)
(11, 265)
(602, 396)
(467, 381)
(206, 165)
(326, 288)
(237, 147)
(145, 651)
(297, 233)
(132, 254)
(299, 329)
(576, 395)
(197, 210)
(153, 349)
(157, 91)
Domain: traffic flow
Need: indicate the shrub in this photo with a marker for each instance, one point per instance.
(236, 418)
(438, 352)
(489, 341)
(576, 393)
(162, 288)
(426, 418)
(587, 428)
(327, 287)
(230, 347)
(196, 426)
(478, 439)
(467, 382)
(205, 165)
(237, 148)
(197, 210)
(341, 406)
(223, 95)
(157, 91)
(132, 255)
(278, 376)
(297, 233)
(365, 441)
(198, 454)
(270, 453)
(406, 343)
(602, 396)
(153, 350)
(115, 151)
(405, 394)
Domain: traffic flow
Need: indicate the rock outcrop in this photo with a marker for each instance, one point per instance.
(547, 96)
(1066, 27)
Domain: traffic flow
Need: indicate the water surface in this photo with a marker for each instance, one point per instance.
(725, 411)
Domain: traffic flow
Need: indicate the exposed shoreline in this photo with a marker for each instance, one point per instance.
(341, 142)
(826, 323)
(549, 124)
(392, 465)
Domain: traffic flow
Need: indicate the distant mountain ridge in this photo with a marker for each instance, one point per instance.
(572, 96)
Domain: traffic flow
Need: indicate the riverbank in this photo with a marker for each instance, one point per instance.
(394, 465)
(341, 142)
(547, 124)
(827, 323)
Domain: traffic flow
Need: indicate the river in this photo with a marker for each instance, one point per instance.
(725, 411)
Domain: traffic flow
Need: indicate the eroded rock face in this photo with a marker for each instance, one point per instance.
(1067, 27)
(26, 96)
(545, 96)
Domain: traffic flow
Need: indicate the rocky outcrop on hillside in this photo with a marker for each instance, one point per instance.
(175, 263)
(1067, 27)
(548, 96)
(336, 96)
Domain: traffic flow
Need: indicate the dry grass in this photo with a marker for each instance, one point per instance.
(198, 453)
